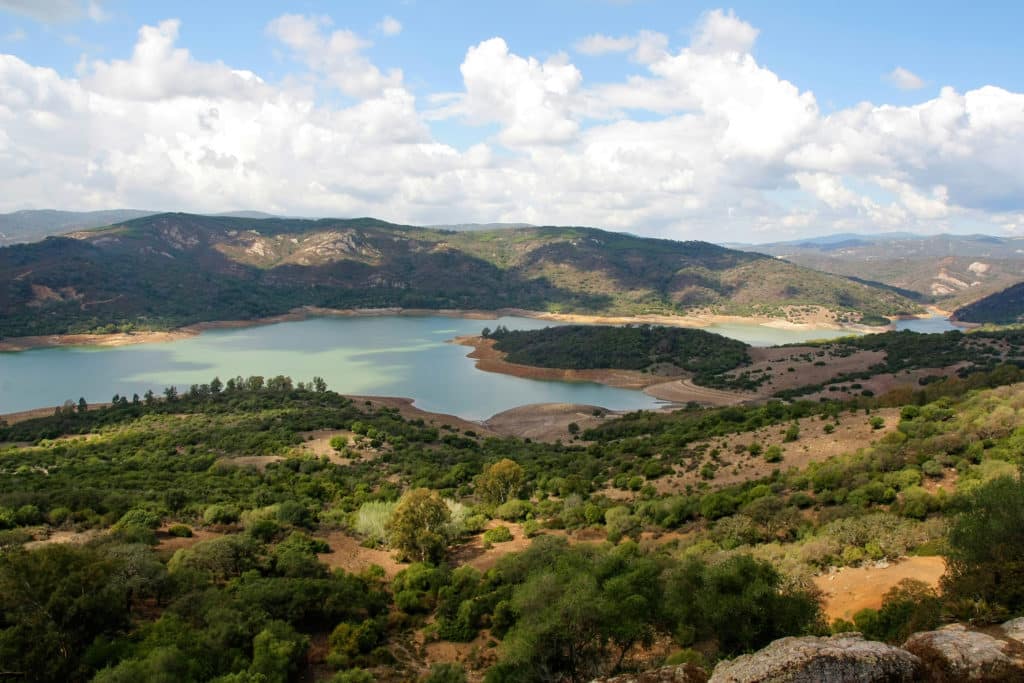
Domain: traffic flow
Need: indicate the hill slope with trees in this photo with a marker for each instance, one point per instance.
(189, 535)
(1002, 308)
(170, 270)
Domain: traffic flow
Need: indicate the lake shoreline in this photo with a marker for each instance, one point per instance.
(676, 389)
(16, 344)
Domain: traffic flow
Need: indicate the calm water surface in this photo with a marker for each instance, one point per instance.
(385, 356)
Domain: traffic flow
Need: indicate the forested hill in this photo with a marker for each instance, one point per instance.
(169, 270)
(1002, 308)
(644, 347)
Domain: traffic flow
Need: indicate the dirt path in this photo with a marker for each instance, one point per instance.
(685, 391)
(851, 589)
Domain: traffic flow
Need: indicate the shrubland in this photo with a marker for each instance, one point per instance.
(243, 593)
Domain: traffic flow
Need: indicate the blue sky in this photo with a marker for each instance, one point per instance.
(838, 50)
(837, 55)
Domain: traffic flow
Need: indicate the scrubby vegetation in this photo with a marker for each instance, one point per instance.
(203, 524)
(642, 347)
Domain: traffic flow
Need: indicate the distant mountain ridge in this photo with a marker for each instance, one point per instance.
(173, 269)
(948, 270)
(32, 225)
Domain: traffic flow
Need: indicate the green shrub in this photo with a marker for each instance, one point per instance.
(499, 534)
(221, 514)
(180, 531)
(773, 454)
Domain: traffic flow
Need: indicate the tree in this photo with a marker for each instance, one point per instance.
(417, 527)
(54, 602)
(581, 610)
(319, 385)
(171, 393)
(82, 405)
(985, 561)
(500, 481)
(216, 385)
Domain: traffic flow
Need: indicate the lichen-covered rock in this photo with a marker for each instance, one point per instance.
(683, 673)
(954, 655)
(1014, 629)
(841, 658)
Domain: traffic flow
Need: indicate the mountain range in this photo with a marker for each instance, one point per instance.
(173, 269)
(947, 270)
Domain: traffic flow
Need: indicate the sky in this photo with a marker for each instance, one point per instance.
(748, 122)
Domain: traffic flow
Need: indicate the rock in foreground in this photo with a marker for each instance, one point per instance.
(845, 657)
(954, 654)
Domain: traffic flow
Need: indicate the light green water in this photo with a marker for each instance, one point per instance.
(383, 356)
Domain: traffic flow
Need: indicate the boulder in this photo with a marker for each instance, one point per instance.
(844, 657)
(1014, 629)
(683, 673)
(954, 654)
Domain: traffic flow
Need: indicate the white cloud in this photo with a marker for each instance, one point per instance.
(719, 31)
(389, 26)
(599, 44)
(336, 56)
(646, 46)
(904, 79)
(529, 98)
(54, 11)
(701, 142)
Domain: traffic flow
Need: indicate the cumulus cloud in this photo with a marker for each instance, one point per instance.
(529, 98)
(904, 79)
(334, 55)
(389, 26)
(720, 31)
(701, 141)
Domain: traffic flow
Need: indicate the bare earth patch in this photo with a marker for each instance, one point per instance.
(347, 554)
(851, 589)
(169, 543)
(259, 462)
(547, 422)
(477, 556)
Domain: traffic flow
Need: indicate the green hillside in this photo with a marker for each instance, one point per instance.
(1002, 308)
(169, 270)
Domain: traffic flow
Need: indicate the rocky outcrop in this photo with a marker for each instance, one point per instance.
(845, 657)
(683, 673)
(1014, 629)
(953, 654)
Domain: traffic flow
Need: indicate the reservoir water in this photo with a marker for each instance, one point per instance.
(383, 356)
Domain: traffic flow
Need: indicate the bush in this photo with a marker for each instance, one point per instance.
(180, 531)
(499, 534)
(139, 518)
(372, 519)
(773, 454)
(445, 673)
(221, 514)
(514, 510)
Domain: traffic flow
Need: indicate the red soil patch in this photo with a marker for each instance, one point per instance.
(851, 589)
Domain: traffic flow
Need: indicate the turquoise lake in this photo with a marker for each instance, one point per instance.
(382, 356)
